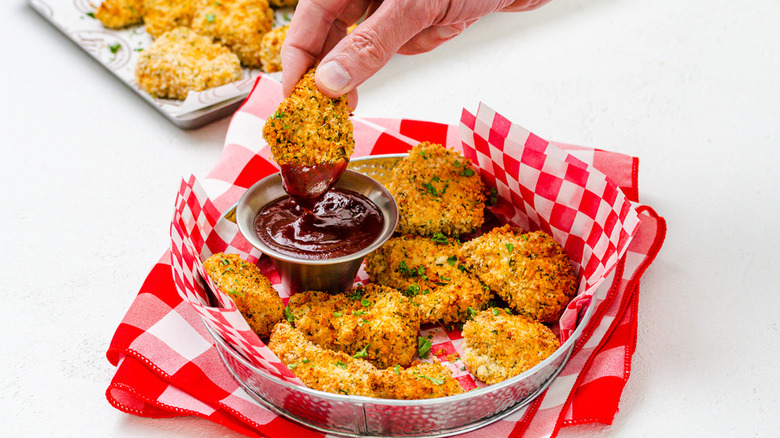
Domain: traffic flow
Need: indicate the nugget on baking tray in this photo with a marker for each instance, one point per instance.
(498, 345)
(271, 49)
(337, 372)
(238, 25)
(437, 191)
(310, 128)
(116, 14)
(181, 61)
(161, 16)
(372, 322)
(419, 381)
(427, 269)
(530, 271)
(253, 294)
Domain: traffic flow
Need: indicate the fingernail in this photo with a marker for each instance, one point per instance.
(447, 32)
(333, 75)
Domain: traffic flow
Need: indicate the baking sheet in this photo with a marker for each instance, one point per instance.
(118, 51)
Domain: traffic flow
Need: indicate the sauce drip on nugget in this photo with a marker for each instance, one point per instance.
(310, 136)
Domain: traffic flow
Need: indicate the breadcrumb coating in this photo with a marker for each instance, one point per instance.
(253, 294)
(429, 271)
(181, 61)
(116, 14)
(437, 191)
(271, 49)
(530, 271)
(238, 25)
(320, 368)
(372, 322)
(337, 372)
(498, 345)
(160, 16)
(310, 128)
(420, 381)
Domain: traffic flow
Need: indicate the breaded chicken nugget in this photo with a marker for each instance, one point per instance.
(271, 48)
(116, 14)
(497, 345)
(437, 191)
(428, 270)
(372, 322)
(250, 290)
(160, 16)
(181, 61)
(421, 380)
(530, 271)
(238, 25)
(320, 368)
(310, 128)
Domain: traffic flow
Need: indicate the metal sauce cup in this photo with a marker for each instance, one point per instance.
(330, 275)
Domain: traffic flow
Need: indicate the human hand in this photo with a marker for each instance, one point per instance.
(318, 32)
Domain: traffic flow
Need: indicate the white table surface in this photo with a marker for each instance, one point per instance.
(89, 174)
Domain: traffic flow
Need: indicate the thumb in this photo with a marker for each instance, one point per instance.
(370, 46)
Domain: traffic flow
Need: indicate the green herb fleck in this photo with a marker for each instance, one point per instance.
(468, 172)
(434, 380)
(341, 364)
(114, 47)
(440, 238)
(305, 360)
(412, 290)
(510, 247)
(91, 14)
(210, 18)
(365, 302)
(495, 311)
(362, 353)
(359, 312)
(288, 314)
(397, 370)
(452, 260)
(423, 347)
(337, 314)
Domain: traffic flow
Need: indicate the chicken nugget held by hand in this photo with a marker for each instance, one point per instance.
(310, 136)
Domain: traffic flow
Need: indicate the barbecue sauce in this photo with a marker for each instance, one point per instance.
(339, 223)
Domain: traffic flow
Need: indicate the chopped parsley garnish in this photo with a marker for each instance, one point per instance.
(362, 353)
(431, 189)
(91, 14)
(305, 360)
(397, 369)
(468, 172)
(224, 261)
(341, 364)
(288, 315)
(493, 196)
(210, 18)
(452, 260)
(433, 379)
(365, 302)
(236, 293)
(359, 312)
(337, 314)
(495, 311)
(423, 347)
(470, 313)
(114, 47)
(440, 238)
(510, 247)
(412, 290)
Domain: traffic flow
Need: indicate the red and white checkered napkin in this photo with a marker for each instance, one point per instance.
(167, 364)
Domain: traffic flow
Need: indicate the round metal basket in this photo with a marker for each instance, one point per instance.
(346, 415)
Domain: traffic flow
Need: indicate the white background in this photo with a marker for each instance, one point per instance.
(89, 173)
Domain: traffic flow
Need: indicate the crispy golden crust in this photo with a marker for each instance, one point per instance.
(310, 128)
(530, 271)
(320, 368)
(161, 16)
(283, 3)
(497, 345)
(375, 323)
(437, 191)
(116, 14)
(271, 48)
(237, 24)
(250, 290)
(421, 380)
(430, 273)
(181, 61)
(337, 372)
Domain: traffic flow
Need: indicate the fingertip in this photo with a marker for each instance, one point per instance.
(332, 79)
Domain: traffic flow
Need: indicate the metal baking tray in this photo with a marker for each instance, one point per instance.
(118, 50)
